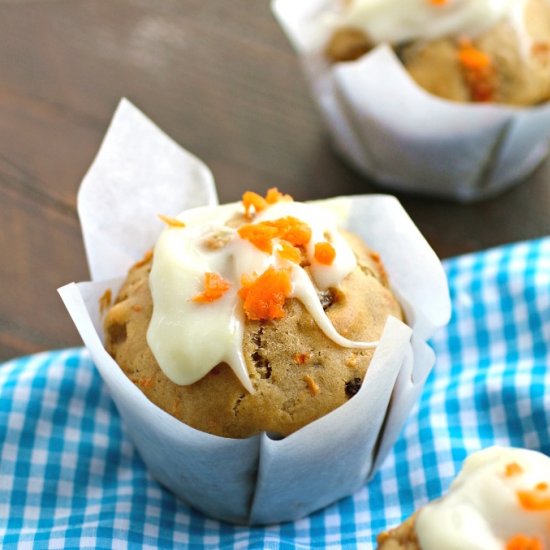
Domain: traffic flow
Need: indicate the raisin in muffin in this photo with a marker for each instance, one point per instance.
(499, 501)
(449, 51)
(297, 374)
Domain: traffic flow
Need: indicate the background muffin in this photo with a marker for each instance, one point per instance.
(484, 58)
(509, 62)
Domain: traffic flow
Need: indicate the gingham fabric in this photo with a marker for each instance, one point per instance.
(70, 478)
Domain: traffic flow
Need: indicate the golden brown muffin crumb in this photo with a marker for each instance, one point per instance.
(347, 44)
(105, 301)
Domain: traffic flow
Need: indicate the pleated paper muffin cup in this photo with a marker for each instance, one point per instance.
(140, 172)
(395, 132)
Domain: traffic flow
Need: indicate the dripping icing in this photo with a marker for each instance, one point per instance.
(189, 339)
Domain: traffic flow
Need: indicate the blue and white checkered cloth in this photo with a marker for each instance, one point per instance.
(70, 478)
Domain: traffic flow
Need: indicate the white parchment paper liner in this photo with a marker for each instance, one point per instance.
(405, 138)
(140, 172)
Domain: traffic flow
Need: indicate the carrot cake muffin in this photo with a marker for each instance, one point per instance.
(250, 317)
(460, 50)
(499, 501)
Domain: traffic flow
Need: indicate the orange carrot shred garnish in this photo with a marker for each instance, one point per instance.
(324, 253)
(438, 2)
(259, 203)
(523, 542)
(253, 200)
(289, 252)
(264, 297)
(261, 235)
(290, 229)
(513, 469)
(215, 286)
(171, 222)
(534, 500)
(273, 195)
(146, 259)
(472, 58)
(478, 72)
(542, 486)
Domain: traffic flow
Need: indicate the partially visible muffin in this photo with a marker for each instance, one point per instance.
(499, 501)
(297, 372)
(508, 62)
(403, 537)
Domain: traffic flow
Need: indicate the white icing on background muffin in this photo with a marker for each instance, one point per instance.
(397, 21)
(499, 494)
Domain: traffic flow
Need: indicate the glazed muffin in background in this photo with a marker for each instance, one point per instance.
(460, 50)
(499, 501)
(311, 280)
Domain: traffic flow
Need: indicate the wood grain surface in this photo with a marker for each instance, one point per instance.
(221, 79)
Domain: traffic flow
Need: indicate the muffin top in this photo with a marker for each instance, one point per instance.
(251, 317)
(215, 266)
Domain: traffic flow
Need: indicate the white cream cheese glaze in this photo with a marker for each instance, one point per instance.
(187, 338)
(397, 21)
(482, 510)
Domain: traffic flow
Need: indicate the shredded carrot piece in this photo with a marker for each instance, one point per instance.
(472, 58)
(171, 222)
(302, 358)
(261, 235)
(253, 200)
(264, 297)
(290, 229)
(438, 2)
(513, 469)
(324, 253)
(523, 542)
(534, 499)
(478, 72)
(259, 203)
(289, 252)
(146, 258)
(542, 486)
(311, 384)
(273, 195)
(215, 286)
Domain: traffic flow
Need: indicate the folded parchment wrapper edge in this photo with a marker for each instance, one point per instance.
(393, 131)
(257, 480)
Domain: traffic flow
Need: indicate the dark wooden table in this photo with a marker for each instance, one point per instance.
(221, 79)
